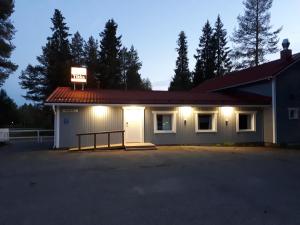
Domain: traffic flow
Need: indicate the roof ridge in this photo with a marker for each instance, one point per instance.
(240, 77)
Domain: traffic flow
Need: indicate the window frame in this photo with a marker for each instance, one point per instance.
(214, 122)
(253, 121)
(296, 117)
(173, 130)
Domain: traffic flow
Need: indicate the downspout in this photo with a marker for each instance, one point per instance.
(54, 112)
(274, 111)
(56, 126)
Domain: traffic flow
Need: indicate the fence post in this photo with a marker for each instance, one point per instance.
(108, 136)
(95, 141)
(38, 136)
(123, 144)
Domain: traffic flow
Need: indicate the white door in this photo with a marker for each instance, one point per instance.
(134, 124)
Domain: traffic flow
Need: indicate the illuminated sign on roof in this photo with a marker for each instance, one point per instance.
(78, 74)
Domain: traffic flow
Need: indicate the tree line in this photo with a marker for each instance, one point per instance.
(212, 58)
(112, 65)
(252, 41)
(109, 64)
(24, 116)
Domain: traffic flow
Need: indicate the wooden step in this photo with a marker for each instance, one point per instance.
(139, 146)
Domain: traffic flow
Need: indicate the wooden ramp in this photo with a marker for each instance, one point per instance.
(128, 147)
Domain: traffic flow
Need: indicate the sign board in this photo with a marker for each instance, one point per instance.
(70, 110)
(78, 74)
(4, 135)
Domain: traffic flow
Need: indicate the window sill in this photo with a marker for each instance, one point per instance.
(245, 131)
(206, 131)
(164, 132)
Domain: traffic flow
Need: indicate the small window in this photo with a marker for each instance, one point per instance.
(164, 122)
(245, 121)
(206, 122)
(293, 113)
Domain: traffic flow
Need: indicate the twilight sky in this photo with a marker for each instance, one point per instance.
(152, 26)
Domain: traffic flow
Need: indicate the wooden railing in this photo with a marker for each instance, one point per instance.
(38, 134)
(95, 138)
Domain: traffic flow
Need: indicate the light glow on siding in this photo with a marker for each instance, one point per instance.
(227, 111)
(100, 110)
(186, 111)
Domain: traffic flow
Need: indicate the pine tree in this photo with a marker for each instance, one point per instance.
(182, 77)
(77, 50)
(205, 57)
(110, 46)
(91, 61)
(7, 32)
(223, 62)
(254, 39)
(53, 69)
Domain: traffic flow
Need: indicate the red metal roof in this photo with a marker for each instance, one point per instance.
(66, 95)
(250, 75)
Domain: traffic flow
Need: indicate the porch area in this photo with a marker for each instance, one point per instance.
(111, 146)
(126, 147)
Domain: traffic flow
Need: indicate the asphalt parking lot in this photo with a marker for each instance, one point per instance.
(170, 186)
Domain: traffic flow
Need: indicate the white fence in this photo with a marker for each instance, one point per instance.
(18, 134)
(4, 135)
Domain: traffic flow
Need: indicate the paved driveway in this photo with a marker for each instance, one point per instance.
(171, 186)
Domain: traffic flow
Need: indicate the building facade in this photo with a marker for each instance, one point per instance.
(255, 105)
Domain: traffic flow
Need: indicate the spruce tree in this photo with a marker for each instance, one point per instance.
(198, 74)
(91, 61)
(77, 51)
(254, 38)
(182, 77)
(59, 57)
(133, 77)
(205, 57)
(130, 67)
(110, 46)
(124, 64)
(146, 84)
(7, 32)
(223, 62)
(54, 65)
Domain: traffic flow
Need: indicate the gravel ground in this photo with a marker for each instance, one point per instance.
(170, 186)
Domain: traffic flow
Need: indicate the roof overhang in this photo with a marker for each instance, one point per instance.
(153, 105)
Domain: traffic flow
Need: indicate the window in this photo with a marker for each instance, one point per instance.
(206, 121)
(245, 121)
(293, 113)
(164, 122)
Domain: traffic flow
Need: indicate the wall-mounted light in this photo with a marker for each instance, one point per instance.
(227, 111)
(186, 112)
(100, 110)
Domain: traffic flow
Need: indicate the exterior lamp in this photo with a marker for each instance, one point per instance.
(99, 110)
(227, 111)
(186, 111)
